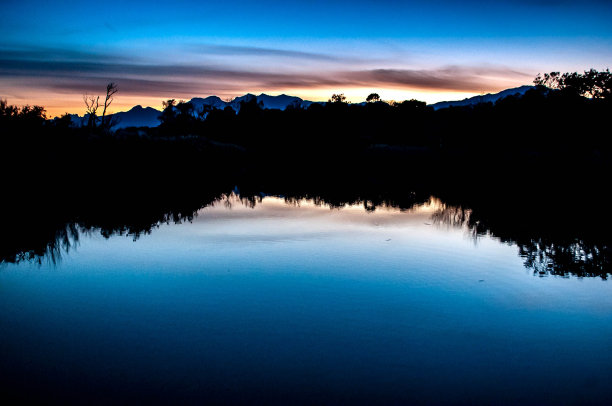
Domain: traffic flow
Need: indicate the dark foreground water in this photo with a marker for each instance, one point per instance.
(303, 304)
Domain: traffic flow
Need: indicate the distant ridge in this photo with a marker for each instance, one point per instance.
(212, 101)
(139, 116)
(487, 98)
(280, 102)
(149, 117)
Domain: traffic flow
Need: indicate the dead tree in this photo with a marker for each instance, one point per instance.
(111, 89)
(92, 103)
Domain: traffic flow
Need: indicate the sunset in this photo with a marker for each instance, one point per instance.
(434, 51)
(305, 202)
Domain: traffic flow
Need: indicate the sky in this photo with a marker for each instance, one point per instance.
(51, 53)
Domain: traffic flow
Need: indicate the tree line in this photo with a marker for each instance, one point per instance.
(563, 118)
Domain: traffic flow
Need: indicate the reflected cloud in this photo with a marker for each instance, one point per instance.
(235, 207)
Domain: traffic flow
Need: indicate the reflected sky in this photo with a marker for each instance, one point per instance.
(285, 303)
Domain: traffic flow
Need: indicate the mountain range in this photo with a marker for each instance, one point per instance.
(140, 116)
(486, 98)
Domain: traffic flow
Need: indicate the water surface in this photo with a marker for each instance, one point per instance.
(284, 301)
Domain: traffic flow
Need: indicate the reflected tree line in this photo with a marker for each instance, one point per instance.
(558, 251)
(553, 237)
(531, 170)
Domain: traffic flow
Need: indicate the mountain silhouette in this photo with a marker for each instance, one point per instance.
(487, 98)
(149, 117)
(140, 116)
(280, 102)
(212, 101)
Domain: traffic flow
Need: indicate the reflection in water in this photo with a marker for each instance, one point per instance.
(62, 240)
(284, 300)
(454, 216)
(563, 256)
(577, 258)
(545, 251)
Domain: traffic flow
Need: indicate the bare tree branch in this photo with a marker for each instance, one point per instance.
(111, 89)
(92, 103)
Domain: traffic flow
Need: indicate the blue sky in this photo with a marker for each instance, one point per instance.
(51, 54)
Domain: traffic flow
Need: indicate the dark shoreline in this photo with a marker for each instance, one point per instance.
(554, 217)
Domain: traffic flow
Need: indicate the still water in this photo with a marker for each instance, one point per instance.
(299, 303)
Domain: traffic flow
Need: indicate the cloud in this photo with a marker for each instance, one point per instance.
(234, 50)
(453, 78)
(74, 71)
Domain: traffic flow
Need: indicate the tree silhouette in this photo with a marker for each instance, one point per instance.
(184, 108)
(337, 98)
(111, 89)
(592, 83)
(25, 117)
(373, 97)
(168, 114)
(64, 121)
(549, 80)
(92, 103)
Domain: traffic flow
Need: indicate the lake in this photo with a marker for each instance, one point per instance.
(281, 300)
